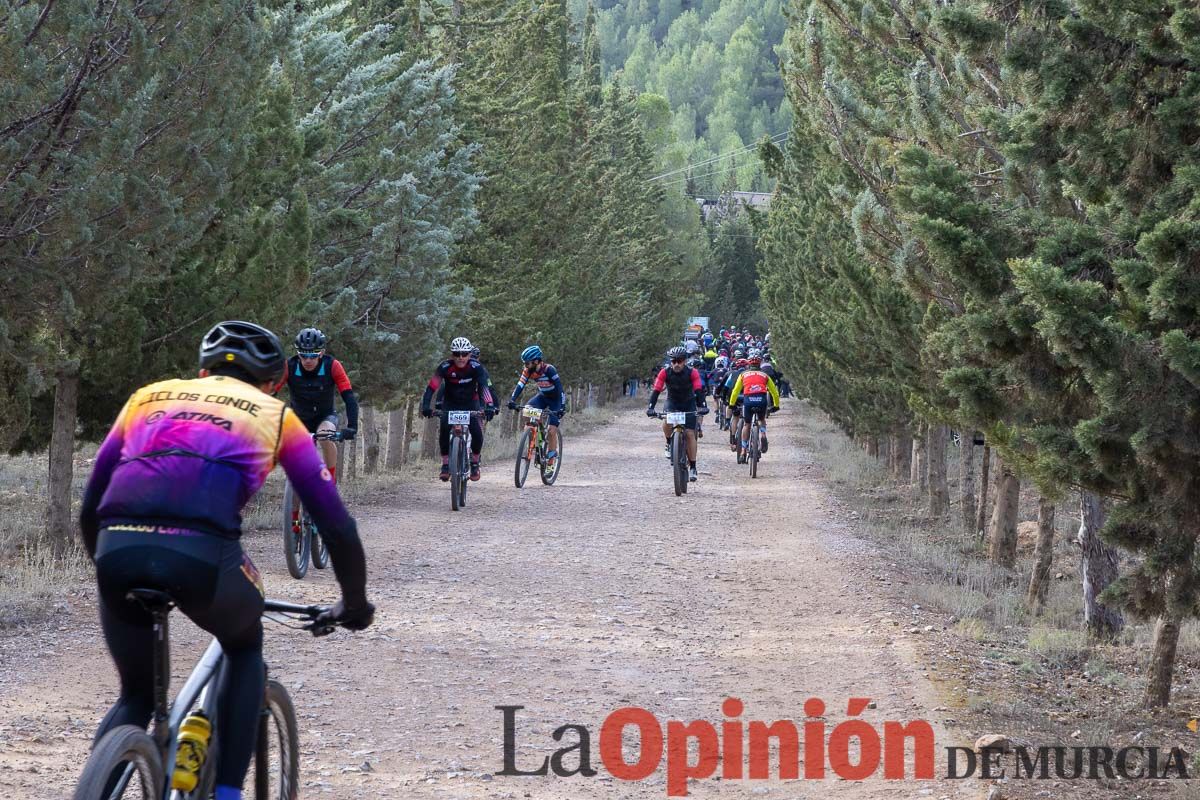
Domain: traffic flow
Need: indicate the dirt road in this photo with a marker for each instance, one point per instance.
(573, 601)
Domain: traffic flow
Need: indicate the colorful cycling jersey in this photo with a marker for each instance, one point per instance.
(547, 380)
(710, 358)
(465, 388)
(685, 389)
(312, 391)
(754, 383)
(731, 379)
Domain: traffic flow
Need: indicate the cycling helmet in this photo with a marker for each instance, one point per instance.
(740, 363)
(691, 346)
(310, 340)
(707, 338)
(721, 362)
(696, 362)
(676, 352)
(251, 347)
(531, 353)
(475, 351)
(460, 344)
(739, 352)
(754, 361)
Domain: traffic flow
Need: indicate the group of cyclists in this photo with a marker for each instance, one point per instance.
(162, 507)
(734, 368)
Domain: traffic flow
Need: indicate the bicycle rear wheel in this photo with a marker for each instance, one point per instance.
(124, 748)
(320, 551)
(521, 469)
(456, 476)
(679, 461)
(277, 753)
(549, 476)
(754, 451)
(295, 537)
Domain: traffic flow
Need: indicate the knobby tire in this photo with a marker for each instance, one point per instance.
(123, 745)
(552, 476)
(277, 753)
(521, 469)
(295, 544)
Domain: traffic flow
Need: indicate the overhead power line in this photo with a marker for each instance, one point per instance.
(776, 139)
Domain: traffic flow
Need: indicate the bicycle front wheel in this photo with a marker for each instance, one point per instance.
(679, 461)
(277, 753)
(295, 537)
(550, 475)
(456, 475)
(754, 451)
(126, 757)
(521, 469)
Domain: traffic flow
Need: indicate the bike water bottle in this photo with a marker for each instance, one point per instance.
(194, 736)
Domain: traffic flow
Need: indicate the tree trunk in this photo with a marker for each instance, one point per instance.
(410, 413)
(342, 461)
(985, 465)
(966, 480)
(885, 450)
(429, 438)
(397, 440)
(1098, 568)
(1162, 663)
(60, 523)
(351, 451)
(370, 441)
(873, 446)
(902, 455)
(1043, 557)
(917, 471)
(939, 492)
(1002, 534)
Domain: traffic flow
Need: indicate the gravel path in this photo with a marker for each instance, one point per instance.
(601, 592)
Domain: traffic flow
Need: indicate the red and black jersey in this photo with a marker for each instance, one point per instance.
(313, 391)
(464, 388)
(685, 389)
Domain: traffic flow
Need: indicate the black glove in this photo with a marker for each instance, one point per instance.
(774, 409)
(702, 410)
(650, 411)
(427, 413)
(355, 619)
(349, 433)
(488, 413)
(512, 405)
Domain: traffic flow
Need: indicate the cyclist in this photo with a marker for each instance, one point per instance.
(735, 418)
(551, 394)
(312, 380)
(717, 378)
(761, 397)
(161, 511)
(466, 388)
(685, 392)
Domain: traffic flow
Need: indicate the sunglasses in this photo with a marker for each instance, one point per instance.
(309, 355)
(461, 355)
(678, 360)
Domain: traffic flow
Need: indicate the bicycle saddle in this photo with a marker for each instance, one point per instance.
(151, 598)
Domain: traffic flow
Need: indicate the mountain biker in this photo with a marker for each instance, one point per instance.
(735, 417)
(717, 379)
(685, 392)
(551, 394)
(312, 380)
(761, 397)
(161, 511)
(466, 388)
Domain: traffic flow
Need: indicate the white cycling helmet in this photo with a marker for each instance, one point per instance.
(754, 353)
(692, 346)
(721, 362)
(460, 344)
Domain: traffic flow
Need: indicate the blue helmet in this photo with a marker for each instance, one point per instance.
(707, 338)
(531, 353)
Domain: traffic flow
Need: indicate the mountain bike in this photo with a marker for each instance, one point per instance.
(460, 456)
(679, 460)
(757, 420)
(532, 448)
(300, 537)
(128, 762)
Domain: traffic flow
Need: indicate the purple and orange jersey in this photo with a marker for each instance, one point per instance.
(191, 454)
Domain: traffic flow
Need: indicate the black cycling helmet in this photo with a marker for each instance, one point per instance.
(310, 340)
(676, 352)
(252, 348)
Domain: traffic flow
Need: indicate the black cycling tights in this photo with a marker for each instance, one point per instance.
(476, 435)
(216, 586)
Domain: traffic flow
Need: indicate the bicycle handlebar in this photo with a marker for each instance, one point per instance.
(316, 626)
(327, 436)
